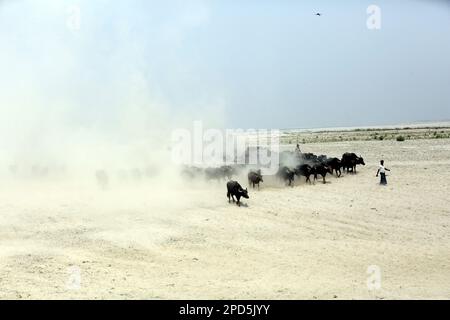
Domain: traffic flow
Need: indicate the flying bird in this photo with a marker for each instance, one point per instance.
(318, 14)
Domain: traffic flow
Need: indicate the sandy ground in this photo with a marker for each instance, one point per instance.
(305, 242)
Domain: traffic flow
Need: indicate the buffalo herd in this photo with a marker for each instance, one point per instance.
(308, 164)
(291, 165)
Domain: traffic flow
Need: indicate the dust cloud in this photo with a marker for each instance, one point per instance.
(85, 127)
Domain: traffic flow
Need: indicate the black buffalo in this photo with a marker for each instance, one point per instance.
(309, 157)
(220, 173)
(227, 172)
(191, 172)
(234, 189)
(254, 178)
(350, 160)
(304, 170)
(321, 169)
(322, 158)
(335, 165)
(213, 174)
(285, 174)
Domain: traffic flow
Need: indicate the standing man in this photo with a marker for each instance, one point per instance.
(382, 171)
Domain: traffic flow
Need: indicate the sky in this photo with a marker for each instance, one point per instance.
(124, 66)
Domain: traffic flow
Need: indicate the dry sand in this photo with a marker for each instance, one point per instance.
(305, 242)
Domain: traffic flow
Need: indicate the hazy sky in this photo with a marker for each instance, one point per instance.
(260, 64)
